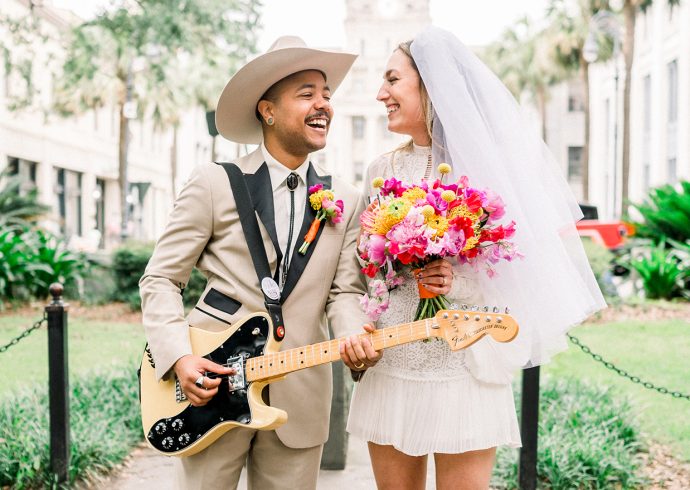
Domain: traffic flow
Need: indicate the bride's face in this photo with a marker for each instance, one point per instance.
(401, 95)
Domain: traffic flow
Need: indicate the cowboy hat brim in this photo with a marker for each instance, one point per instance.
(236, 110)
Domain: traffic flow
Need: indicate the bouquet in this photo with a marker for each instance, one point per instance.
(412, 225)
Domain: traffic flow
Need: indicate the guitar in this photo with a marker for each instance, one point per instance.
(174, 427)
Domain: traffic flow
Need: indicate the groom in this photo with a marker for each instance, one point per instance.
(281, 101)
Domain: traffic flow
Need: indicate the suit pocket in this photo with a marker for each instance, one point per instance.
(219, 301)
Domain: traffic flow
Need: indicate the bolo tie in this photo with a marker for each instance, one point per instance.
(292, 181)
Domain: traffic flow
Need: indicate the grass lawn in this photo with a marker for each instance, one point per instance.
(92, 343)
(656, 351)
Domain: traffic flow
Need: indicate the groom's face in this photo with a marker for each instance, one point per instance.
(301, 108)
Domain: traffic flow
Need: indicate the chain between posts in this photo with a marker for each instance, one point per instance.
(24, 334)
(625, 374)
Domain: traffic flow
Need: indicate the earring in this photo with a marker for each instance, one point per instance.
(269, 121)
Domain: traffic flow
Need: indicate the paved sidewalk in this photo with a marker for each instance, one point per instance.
(147, 469)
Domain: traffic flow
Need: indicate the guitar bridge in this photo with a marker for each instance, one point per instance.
(236, 381)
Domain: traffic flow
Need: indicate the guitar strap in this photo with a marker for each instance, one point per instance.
(257, 250)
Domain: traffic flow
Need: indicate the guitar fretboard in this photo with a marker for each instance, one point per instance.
(284, 362)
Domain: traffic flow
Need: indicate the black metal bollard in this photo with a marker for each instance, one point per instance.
(58, 383)
(529, 427)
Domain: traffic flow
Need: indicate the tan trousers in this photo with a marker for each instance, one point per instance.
(270, 464)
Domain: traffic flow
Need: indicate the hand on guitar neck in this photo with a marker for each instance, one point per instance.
(190, 368)
(357, 353)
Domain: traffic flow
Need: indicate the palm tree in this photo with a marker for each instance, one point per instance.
(521, 60)
(569, 27)
(630, 10)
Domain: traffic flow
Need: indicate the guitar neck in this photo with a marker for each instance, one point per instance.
(281, 363)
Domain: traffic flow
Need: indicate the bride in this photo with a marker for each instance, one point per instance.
(422, 398)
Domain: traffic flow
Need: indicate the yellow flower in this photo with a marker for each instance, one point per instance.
(390, 216)
(412, 195)
(428, 211)
(448, 196)
(377, 183)
(315, 200)
(438, 223)
(464, 212)
(328, 194)
(443, 168)
(470, 243)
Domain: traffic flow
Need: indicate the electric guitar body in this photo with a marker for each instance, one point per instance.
(174, 427)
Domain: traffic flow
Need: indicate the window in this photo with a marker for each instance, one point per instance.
(672, 122)
(358, 127)
(574, 163)
(68, 187)
(26, 170)
(99, 198)
(576, 99)
(359, 171)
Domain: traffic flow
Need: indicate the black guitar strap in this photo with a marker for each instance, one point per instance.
(257, 250)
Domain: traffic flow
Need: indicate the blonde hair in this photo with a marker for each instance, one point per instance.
(427, 107)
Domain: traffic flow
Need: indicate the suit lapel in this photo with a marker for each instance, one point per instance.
(261, 192)
(298, 262)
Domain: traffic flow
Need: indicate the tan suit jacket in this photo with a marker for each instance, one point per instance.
(205, 231)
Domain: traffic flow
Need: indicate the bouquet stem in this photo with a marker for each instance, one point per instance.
(429, 303)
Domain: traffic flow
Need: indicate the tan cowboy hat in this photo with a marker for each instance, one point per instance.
(236, 111)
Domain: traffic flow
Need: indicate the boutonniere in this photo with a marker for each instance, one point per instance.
(326, 207)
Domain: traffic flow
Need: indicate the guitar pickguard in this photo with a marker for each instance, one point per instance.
(173, 434)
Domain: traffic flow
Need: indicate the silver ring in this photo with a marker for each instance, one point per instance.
(200, 382)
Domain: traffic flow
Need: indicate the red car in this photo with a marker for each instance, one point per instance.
(610, 234)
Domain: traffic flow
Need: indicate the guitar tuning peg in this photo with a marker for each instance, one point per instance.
(485, 309)
(495, 309)
(507, 310)
(464, 306)
(475, 307)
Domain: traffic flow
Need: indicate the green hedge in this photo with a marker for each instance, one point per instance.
(105, 425)
(588, 439)
(128, 265)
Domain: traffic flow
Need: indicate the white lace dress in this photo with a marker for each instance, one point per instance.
(421, 397)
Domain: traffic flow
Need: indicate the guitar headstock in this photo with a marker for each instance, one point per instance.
(462, 328)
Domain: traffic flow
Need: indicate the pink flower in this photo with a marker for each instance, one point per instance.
(493, 204)
(315, 188)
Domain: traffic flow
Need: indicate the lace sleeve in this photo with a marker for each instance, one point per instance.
(465, 289)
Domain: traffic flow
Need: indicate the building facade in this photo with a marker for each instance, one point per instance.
(73, 162)
(659, 114)
(359, 130)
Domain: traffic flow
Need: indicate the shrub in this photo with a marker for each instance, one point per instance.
(660, 269)
(59, 263)
(17, 207)
(128, 265)
(105, 425)
(587, 440)
(665, 213)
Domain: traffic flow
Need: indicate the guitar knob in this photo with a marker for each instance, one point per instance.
(477, 318)
(160, 428)
(177, 424)
(488, 319)
(184, 439)
(167, 442)
(499, 319)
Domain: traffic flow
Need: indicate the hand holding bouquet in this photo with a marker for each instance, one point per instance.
(411, 225)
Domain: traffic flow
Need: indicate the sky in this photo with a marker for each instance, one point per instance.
(320, 22)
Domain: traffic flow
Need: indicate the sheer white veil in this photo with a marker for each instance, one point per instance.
(480, 130)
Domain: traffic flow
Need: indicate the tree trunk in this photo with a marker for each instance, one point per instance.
(629, 14)
(122, 171)
(584, 71)
(173, 161)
